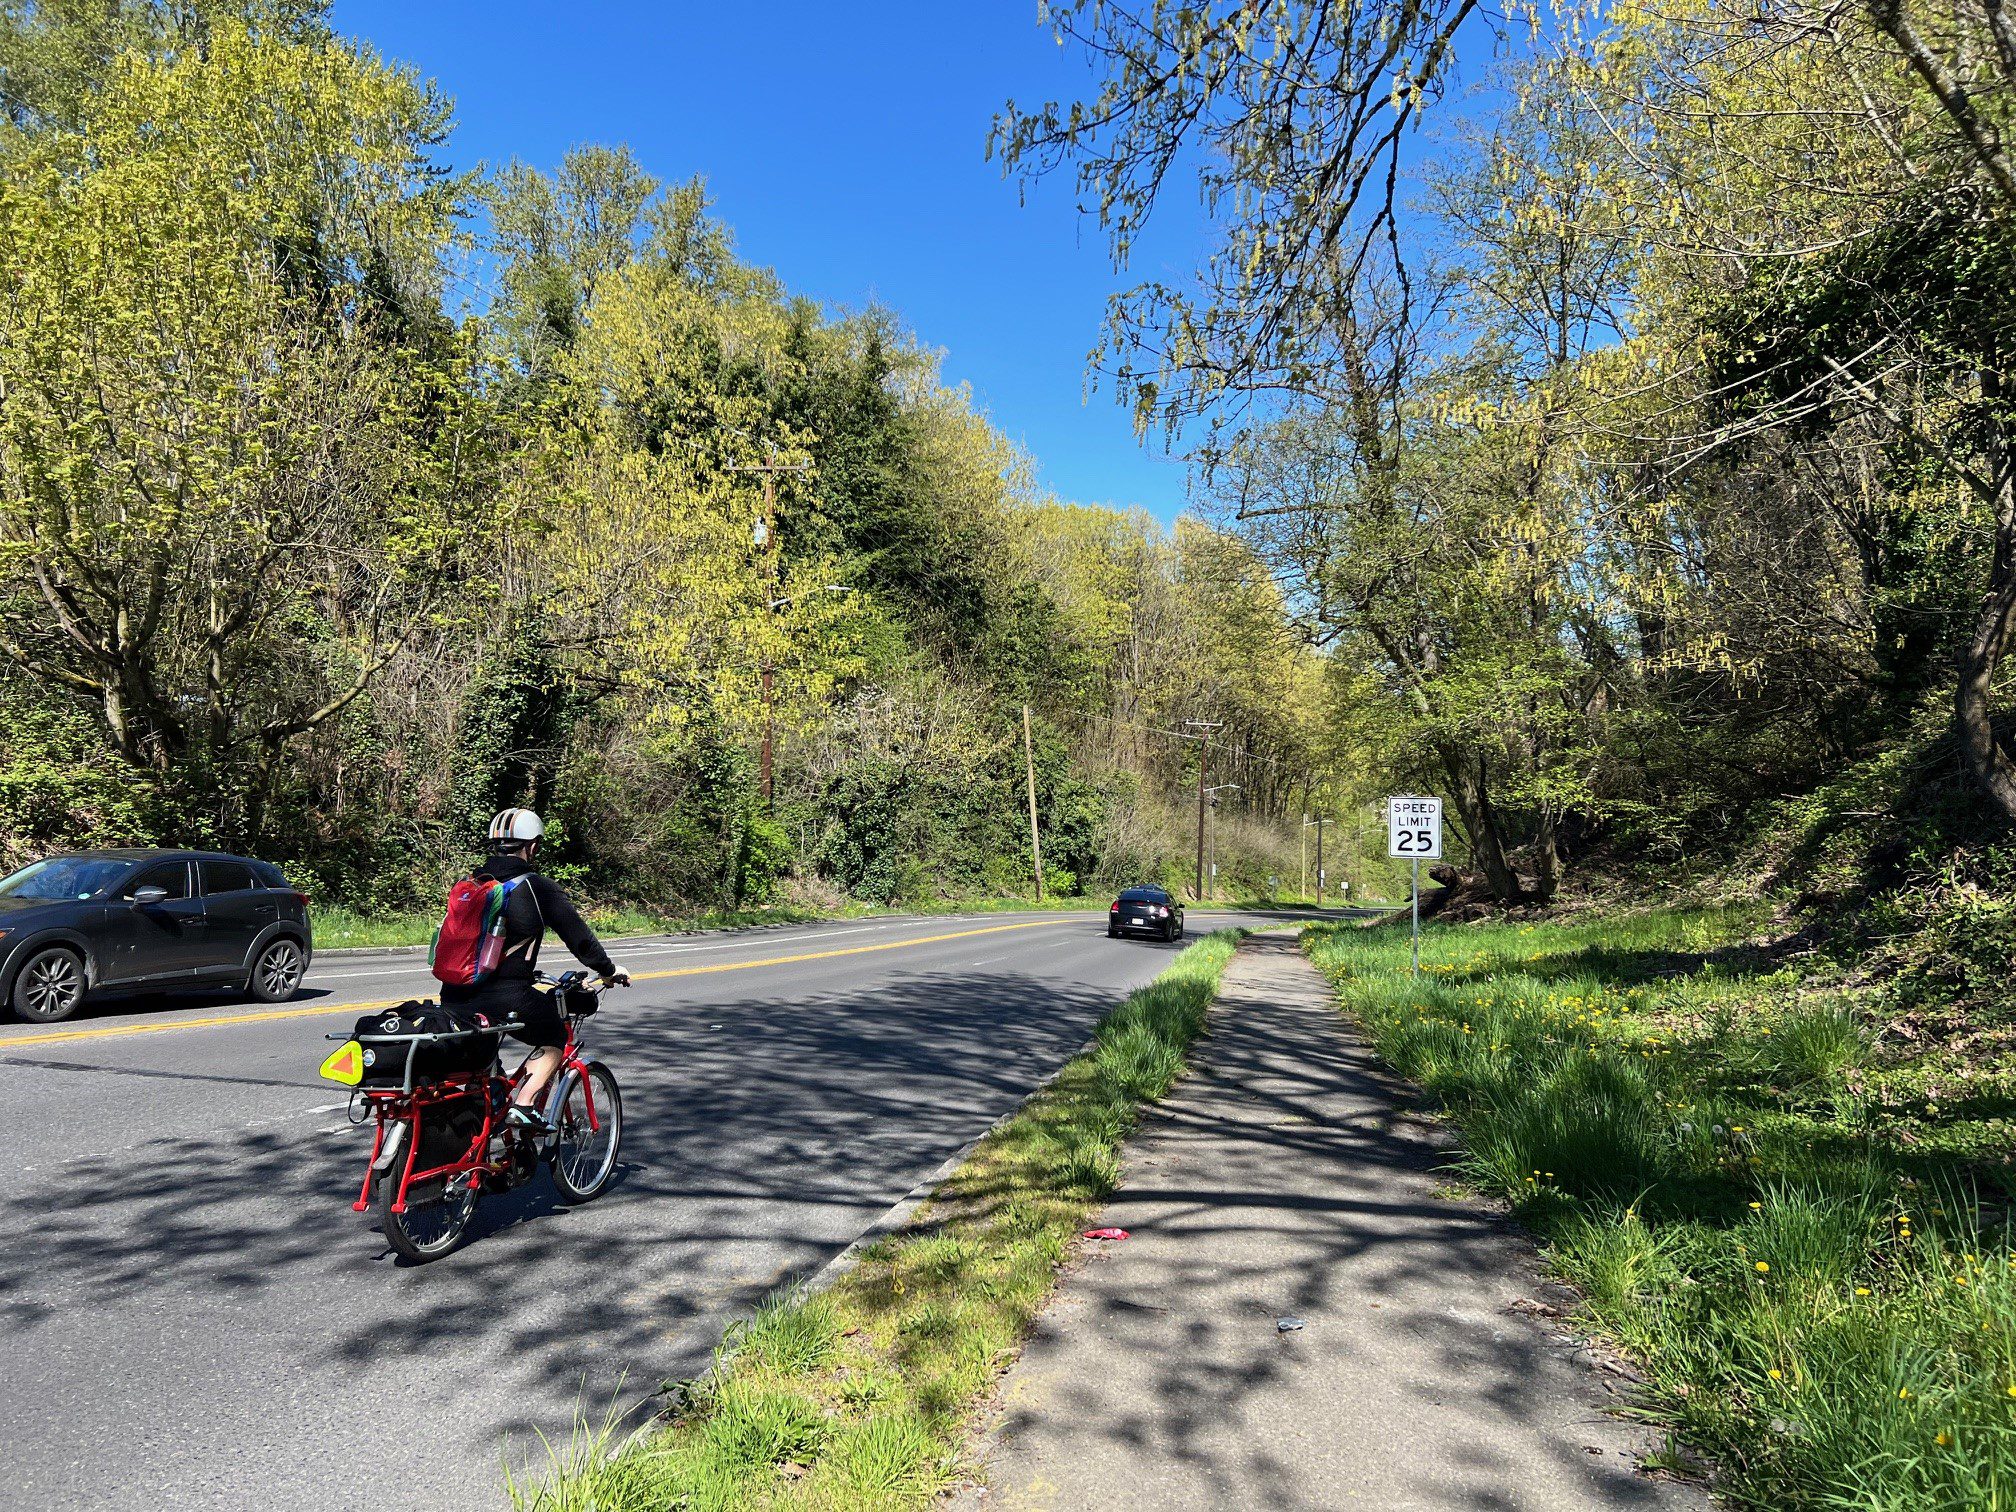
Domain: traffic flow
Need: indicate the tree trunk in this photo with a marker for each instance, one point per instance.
(1470, 790)
(1547, 857)
(1973, 698)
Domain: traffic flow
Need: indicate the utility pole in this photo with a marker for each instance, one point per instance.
(1319, 863)
(1029, 766)
(769, 470)
(1203, 763)
(1212, 793)
(1317, 825)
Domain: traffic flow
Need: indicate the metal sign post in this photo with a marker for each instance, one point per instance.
(1414, 830)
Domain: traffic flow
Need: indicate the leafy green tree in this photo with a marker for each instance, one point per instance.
(226, 499)
(557, 236)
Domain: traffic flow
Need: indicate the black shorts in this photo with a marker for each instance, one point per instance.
(511, 1000)
(544, 1027)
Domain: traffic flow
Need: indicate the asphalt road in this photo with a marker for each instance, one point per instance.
(191, 1316)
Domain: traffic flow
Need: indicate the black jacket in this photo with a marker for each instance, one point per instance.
(531, 911)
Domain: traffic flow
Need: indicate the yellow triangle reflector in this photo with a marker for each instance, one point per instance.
(346, 1065)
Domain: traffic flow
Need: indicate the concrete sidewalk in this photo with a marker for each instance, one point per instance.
(1280, 1182)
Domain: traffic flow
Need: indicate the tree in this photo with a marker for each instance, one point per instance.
(557, 236)
(232, 463)
(1293, 117)
(1841, 275)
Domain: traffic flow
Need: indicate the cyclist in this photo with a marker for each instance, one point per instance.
(507, 992)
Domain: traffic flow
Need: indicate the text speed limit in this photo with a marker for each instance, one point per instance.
(1414, 828)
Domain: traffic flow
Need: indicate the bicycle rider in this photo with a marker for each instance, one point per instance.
(508, 991)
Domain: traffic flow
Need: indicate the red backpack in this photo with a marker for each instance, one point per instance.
(470, 941)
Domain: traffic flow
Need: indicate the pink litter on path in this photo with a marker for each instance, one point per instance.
(1107, 1233)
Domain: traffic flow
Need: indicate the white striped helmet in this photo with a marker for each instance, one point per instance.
(517, 824)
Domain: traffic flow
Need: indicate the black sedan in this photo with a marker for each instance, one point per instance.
(147, 920)
(1145, 910)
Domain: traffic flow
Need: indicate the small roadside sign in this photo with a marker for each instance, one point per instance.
(1414, 833)
(1414, 828)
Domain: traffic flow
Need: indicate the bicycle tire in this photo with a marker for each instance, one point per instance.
(408, 1234)
(582, 1167)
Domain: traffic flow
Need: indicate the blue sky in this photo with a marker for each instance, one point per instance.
(846, 146)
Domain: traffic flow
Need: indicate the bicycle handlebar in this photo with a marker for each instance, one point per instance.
(568, 979)
(576, 981)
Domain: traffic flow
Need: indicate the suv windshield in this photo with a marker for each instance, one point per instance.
(63, 877)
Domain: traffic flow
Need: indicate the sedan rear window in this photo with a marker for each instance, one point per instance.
(63, 877)
(226, 877)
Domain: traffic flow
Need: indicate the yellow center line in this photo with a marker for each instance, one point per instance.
(360, 1009)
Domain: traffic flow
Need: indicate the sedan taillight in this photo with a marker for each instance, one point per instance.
(302, 898)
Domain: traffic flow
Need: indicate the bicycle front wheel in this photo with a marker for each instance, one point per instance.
(584, 1149)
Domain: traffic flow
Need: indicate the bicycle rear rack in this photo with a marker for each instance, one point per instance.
(431, 1037)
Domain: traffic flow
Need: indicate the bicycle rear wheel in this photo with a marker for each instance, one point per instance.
(584, 1156)
(437, 1213)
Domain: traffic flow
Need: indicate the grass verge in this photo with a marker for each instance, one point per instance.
(1715, 1147)
(337, 927)
(858, 1397)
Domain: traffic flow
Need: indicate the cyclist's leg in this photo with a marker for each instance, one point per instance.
(535, 1075)
(546, 1032)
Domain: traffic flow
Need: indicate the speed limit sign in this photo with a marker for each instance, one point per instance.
(1414, 828)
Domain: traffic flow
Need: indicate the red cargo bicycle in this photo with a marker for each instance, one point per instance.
(441, 1137)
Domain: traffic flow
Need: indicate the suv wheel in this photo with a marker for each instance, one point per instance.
(277, 972)
(50, 986)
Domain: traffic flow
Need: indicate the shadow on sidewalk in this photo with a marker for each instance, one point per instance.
(1284, 1178)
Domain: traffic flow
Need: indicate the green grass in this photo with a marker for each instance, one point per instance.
(1762, 1198)
(338, 927)
(858, 1397)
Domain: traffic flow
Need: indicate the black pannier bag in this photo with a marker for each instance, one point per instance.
(583, 1000)
(385, 1063)
(447, 1132)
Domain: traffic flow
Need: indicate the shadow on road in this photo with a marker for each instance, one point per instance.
(760, 1138)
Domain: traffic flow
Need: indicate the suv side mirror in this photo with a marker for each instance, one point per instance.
(147, 897)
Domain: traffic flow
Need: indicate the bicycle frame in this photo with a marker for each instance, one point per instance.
(398, 1111)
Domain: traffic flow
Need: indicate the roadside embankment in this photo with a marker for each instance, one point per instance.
(1779, 1203)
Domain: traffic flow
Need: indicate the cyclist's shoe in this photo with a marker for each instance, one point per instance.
(527, 1120)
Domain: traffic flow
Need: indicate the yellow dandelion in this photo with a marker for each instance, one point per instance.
(1762, 1266)
(1861, 1291)
(1777, 1375)
(1942, 1439)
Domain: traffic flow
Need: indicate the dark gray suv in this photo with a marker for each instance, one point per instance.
(147, 920)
